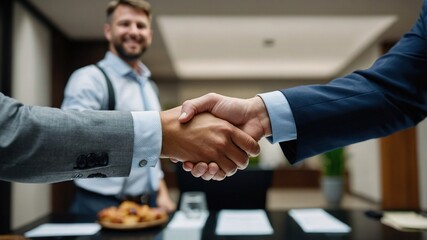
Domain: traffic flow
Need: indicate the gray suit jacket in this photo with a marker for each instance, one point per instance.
(41, 144)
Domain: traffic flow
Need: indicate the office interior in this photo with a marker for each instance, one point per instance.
(236, 48)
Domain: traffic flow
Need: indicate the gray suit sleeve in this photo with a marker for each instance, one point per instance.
(41, 144)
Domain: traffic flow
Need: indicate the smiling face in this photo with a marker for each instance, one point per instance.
(128, 32)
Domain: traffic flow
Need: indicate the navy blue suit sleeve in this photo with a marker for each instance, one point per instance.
(389, 96)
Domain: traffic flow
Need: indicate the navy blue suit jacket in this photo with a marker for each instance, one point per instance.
(389, 96)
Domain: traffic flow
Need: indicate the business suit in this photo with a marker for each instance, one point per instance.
(40, 144)
(389, 96)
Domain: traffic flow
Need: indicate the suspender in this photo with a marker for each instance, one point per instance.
(111, 96)
(112, 106)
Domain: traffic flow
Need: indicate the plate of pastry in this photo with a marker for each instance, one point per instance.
(130, 215)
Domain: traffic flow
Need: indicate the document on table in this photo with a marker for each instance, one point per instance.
(183, 227)
(63, 229)
(180, 220)
(316, 220)
(243, 222)
(405, 221)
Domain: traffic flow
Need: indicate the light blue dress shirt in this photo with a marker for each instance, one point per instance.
(87, 89)
(281, 119)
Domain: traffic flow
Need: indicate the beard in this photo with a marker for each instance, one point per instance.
(128, 56)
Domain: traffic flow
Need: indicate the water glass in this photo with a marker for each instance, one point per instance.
(193, 204)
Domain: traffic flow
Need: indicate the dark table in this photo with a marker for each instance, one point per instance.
(285, 228)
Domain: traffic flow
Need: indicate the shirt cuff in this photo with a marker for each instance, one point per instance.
(281, 118)
(148, 138)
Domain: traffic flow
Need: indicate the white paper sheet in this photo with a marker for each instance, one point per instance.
(405, 221)
(243, 222)
(73, 229)
(180, 220)
(182, 227)
(316, 220)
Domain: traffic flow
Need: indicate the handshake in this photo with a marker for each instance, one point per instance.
(215, 134)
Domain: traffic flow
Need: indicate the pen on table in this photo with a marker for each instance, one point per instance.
(374, 214)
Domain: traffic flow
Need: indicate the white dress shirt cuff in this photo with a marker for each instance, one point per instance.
(281, 118)
(148, 138)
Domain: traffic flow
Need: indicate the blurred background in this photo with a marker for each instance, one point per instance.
(237, 48)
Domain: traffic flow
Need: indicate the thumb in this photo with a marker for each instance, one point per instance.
(186, 114)
(198, 105)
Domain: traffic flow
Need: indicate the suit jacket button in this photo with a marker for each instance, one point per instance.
(102, 159)
(81, 162)
(91, 160)
(142, 163)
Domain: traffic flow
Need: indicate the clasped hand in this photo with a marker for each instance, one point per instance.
(218, 146)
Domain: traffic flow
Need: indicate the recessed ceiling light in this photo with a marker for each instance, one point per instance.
(269, 42)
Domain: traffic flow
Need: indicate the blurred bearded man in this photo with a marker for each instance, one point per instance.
(122, 82)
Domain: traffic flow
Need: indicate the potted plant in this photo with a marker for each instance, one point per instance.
(332, 184)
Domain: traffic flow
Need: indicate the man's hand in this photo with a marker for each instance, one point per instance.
(206, 139)
(250, 115)
(163, 199)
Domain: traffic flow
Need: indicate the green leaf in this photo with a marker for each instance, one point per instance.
(334, 162)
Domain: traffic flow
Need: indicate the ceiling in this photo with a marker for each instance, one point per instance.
(249, 39)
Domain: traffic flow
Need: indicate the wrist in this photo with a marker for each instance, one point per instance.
(262, 114)
(169, 124)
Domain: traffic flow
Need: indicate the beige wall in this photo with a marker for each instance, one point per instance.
(422, 162)
(31, 85)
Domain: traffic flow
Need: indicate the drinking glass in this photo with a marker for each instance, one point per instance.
(193, 204)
